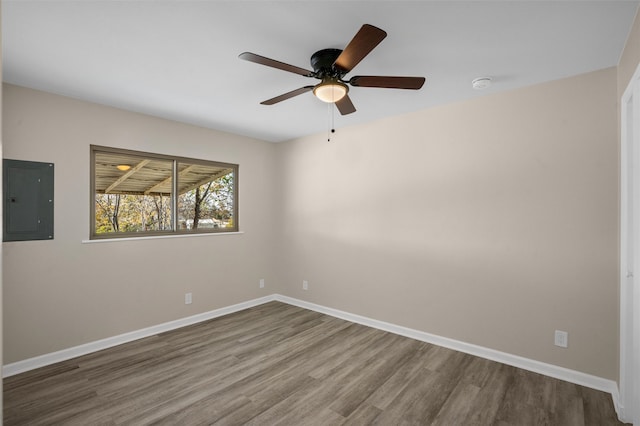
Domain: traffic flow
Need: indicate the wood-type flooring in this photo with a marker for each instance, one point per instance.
(277, 364)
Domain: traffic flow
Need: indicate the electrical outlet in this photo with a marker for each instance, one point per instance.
(561, 339)
(261, 282)
(188, 298)
(305, 285)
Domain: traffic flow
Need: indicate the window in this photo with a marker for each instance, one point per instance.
(141, 194)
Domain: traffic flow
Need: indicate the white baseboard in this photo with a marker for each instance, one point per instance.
(550, 370)
(65, 354)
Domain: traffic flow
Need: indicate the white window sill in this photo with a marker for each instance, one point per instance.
(158, 237)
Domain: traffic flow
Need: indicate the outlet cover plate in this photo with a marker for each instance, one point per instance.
(561, 339)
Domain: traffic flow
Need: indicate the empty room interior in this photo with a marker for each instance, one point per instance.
(319, 212)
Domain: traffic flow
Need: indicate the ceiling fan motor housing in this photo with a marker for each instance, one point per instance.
(322, 63)
(331, 65)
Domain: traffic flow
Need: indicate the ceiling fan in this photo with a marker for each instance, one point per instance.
(331, 65)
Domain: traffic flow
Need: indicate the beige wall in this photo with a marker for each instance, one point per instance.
(63, 293)
(492, 221)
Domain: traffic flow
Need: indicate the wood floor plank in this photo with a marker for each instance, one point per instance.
(365, 414)
(388, 391)
(484, 407)
(278, 364)
(302, 404)
(597, 410)
(455, 409)
(338, 354)
(419, 401)
(360, 386)
(281, 388)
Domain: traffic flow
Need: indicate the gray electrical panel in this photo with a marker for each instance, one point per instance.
(28, 200)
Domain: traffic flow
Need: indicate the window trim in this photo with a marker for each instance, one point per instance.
(93, 149)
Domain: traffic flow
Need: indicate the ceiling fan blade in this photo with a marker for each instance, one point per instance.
(252, 57)
(345, 106)
(287, 95)
(365, 40)
(414, 83)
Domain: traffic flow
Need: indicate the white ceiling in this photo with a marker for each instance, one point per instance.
(179, 59)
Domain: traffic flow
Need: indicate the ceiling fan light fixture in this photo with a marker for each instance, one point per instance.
(330, 91)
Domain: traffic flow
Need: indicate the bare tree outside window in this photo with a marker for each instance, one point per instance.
(134, 194)
(209, 205)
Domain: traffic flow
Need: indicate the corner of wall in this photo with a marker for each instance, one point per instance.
(630, 56)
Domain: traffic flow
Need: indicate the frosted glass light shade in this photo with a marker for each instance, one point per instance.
(330, 91)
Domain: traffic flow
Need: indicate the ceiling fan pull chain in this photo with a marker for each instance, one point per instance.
(333, 117)
(329, 121)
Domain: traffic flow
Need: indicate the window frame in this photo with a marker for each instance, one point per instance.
(174, 195)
